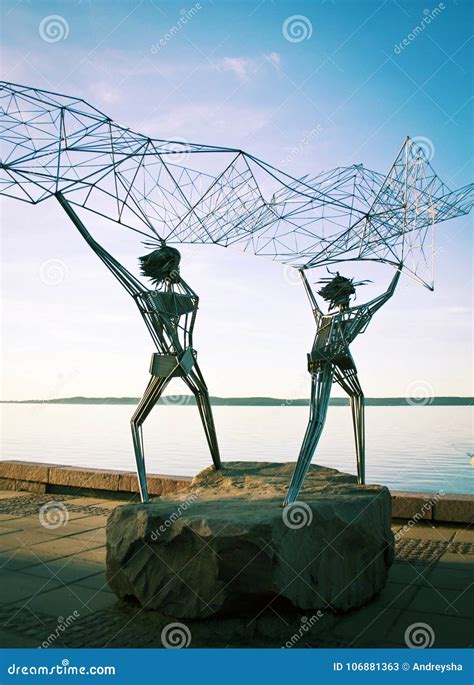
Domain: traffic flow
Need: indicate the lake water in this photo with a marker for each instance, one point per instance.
(408, 448)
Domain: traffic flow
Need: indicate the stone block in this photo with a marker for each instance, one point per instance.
(226, 542)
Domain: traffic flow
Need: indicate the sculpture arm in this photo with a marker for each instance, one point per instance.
(129, 282)
(189, 322)
(364, 312)
(188, 290)
(379, 301)
(316, 310)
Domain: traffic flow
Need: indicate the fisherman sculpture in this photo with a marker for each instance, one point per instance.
(169, 312)
(330, 361)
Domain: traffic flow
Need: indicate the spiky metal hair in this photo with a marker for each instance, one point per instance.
(161, 264)
(338, 290)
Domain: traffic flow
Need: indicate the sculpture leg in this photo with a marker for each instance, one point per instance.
(195, 382)
(321, 383)
(150, 397)
(349, 381)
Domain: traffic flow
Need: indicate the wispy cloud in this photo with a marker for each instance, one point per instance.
(104, 92)
(222, 122)
(243, 68)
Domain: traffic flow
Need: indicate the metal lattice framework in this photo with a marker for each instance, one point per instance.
(57, 146)
(189, 193)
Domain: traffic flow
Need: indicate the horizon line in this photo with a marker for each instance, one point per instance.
(182, 400)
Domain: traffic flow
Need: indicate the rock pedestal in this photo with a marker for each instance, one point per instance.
(226, 542)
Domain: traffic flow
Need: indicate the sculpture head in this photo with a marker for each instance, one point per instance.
(337, 291)
(161, 265)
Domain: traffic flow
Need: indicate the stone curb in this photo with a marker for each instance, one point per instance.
(432, 506)
(44, 478)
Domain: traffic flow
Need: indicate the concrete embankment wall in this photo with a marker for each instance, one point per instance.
(53, 478)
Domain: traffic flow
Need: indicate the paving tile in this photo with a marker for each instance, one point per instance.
(62, 547)
(70, 528)
(445, 601)
(8, 517)
(363, 626)
(65, 600)
(45, 552)
(97, 535)
(67, 569)
(97, 554)
(395, 596)
(76, 523)
(97, 582)
(9, 640)
(91, 521)
(409, 574)
(447, 576)
(34, 534)
(447, 631)
(23, 538)
(16, 587)
(5, 529)
(20, 558)
(33, 521)
(465, 535)
(457, 561)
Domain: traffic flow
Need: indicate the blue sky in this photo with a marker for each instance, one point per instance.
(351, 91)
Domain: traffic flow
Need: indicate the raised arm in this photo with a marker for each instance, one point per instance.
(316, 310)
(129, 282)
(188, 290)
(379, 301)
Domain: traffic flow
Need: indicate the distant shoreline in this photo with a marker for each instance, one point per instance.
(183, 400)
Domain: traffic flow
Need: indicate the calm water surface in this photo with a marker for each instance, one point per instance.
(409, 448)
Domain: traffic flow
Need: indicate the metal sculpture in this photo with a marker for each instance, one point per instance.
(191, 193)
(58, 146)
(330, 361)
(169, 312)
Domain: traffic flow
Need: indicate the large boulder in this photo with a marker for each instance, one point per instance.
(226, 543)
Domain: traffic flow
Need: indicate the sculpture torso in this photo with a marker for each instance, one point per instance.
(334, 334)
(170, 315)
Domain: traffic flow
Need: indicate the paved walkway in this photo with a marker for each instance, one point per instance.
(53, 590)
